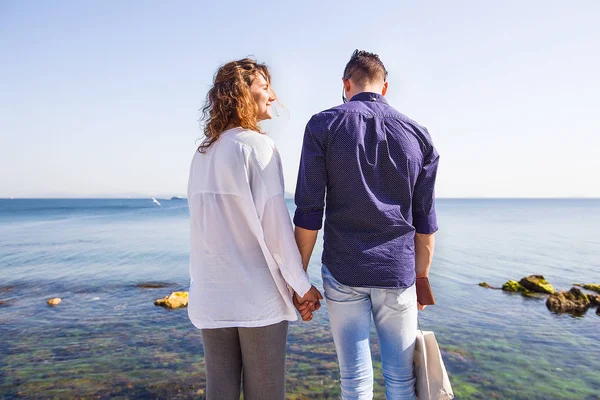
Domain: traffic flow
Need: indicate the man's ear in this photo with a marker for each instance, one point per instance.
(384, 89)
(347, 84)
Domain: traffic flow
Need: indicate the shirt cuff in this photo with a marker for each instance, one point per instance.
(311, 219)
(425, 224)
(303, 286)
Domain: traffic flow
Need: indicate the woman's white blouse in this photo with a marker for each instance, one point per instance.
(243, 256)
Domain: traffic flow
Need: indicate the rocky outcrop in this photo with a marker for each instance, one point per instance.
(537, 284)
(174, 300)
(574, 301)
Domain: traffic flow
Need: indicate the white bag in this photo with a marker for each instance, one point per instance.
(432, 379)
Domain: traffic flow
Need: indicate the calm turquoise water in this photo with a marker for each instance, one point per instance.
(107, 339)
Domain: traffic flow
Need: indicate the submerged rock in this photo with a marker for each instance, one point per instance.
(486, 285)
(573, 301)
(589, 286)
(54, 302)
(174, 300)
(513, 286)
(152, 285)
(537, 283)
(6, 288)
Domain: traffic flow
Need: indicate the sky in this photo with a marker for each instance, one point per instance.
(101, 98)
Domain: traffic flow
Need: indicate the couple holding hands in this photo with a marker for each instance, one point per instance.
(372, 169)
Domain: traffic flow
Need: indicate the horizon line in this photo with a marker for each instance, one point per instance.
(287, 197)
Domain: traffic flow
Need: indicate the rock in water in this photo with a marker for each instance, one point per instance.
(174, 300)
(153, 285)
(54, 302)
(537, 283)
(573, 301)
(589, 286)
(486, 285)
(513, 286)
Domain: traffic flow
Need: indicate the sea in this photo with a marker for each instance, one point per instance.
(109, 259)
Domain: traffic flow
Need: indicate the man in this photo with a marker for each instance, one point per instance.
(378, 169)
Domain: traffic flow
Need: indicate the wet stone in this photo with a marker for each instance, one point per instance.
(54, 302)
(174, 300)
(537, 283)
(574, 302)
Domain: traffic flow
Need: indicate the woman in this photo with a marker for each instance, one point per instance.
(244, 262)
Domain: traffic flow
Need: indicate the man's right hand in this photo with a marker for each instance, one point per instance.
(308, 304)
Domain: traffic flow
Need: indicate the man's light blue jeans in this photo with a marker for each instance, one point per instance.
(395, 314)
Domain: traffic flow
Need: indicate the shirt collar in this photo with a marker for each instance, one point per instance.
(369, 96)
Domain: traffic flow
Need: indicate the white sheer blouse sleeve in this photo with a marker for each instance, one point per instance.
(266, 183)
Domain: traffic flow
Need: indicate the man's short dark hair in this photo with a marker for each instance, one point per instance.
(365, 68)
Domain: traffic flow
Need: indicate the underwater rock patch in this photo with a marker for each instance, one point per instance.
(6, 288)
(153, 285)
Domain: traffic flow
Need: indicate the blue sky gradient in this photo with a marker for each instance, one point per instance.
(101, 98)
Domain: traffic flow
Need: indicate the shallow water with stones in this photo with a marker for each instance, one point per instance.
(107, 339)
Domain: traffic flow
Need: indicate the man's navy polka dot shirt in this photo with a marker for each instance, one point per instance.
(373, 171)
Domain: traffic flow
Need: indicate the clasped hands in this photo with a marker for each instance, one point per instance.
(308, 304)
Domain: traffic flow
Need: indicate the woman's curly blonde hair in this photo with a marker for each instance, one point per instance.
(229, 101)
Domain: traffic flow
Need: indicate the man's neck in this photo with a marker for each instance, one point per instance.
(369, 89)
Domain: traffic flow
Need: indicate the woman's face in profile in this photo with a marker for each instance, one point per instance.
(261, 92)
